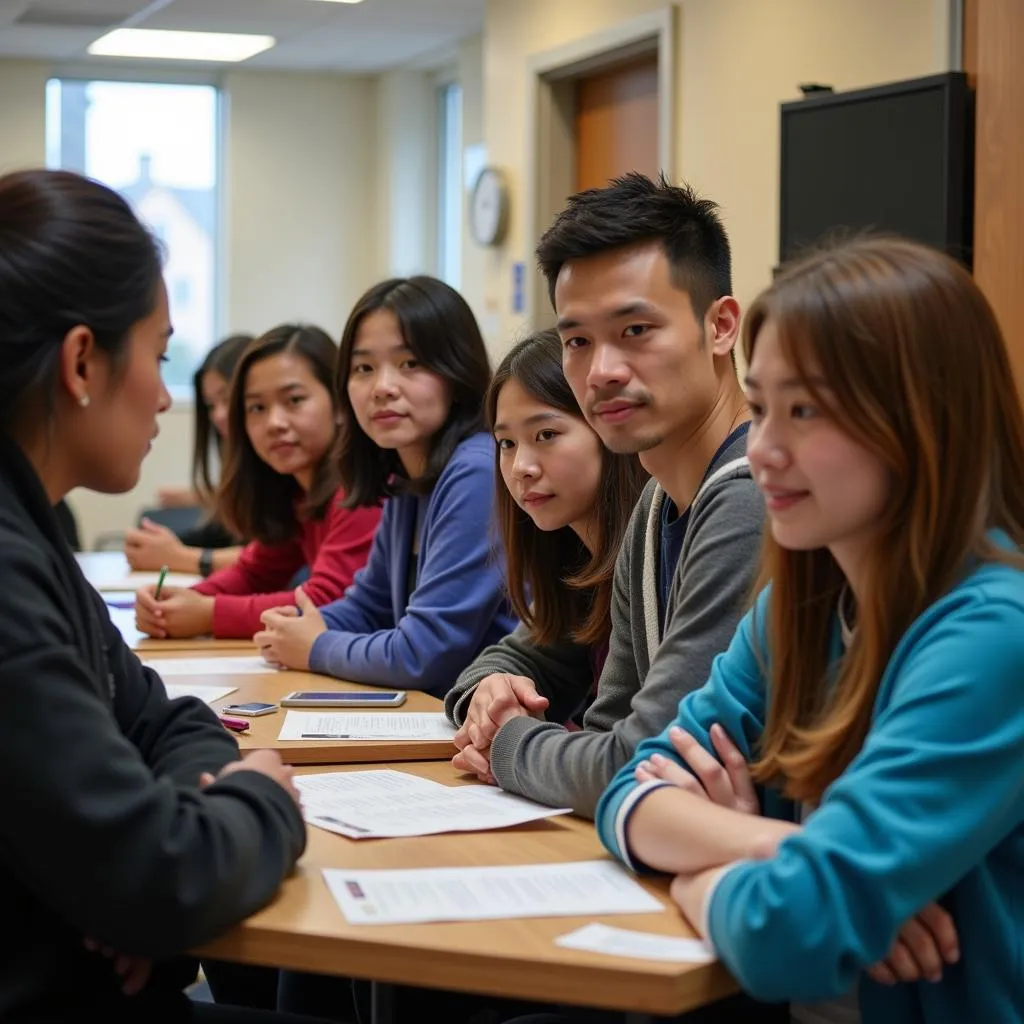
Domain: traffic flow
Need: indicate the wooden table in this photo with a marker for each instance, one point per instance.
(270, 688)
(303, 929)
(146, 646)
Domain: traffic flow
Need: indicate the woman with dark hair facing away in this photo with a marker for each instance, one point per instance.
(280, 487)
(563, 503)
(874, 690)
(411, 378)
(207, 546)
(133, 831)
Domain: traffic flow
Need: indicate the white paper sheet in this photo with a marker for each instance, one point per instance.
(603, 938)
(210, 666)
(137, 580)
(383, 803)
(124, 620)
(478, 894)
(207, 693)
(354, 725)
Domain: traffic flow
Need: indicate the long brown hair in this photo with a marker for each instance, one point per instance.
(555, 586)
(254, 501)
(221, 360)
(897, 343)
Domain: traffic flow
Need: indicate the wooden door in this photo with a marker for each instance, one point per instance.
(993, 44)
(616, 125)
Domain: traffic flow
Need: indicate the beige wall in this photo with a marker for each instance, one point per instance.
(736, 60)
(471, 78)
(22, 113)
(407, 171)
(301, 196)
(299, 215)
(331, 180)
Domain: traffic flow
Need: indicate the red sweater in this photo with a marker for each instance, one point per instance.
(334, 548)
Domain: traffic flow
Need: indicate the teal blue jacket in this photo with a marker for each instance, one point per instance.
(931, 809)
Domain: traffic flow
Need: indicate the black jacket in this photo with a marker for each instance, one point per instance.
(104, 832)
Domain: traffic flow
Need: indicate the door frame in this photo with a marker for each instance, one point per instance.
(550, 110)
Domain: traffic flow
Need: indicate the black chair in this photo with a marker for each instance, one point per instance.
(177, 520)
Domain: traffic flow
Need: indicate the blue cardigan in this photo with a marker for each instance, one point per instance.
(378, 634)
(932, 808)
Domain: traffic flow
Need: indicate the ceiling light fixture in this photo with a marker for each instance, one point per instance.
(158, 44)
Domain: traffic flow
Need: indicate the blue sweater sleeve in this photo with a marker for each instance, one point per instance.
(937, 785)
(458, 601)
(734, 696)
(366, 605)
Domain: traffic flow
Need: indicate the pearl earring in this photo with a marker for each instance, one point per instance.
(84, 401)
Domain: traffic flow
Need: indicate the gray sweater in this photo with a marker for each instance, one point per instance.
(646, 674)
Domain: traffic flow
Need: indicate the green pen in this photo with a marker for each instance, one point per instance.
(160, 582)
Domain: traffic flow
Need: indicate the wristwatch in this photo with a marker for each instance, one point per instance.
(205, 562)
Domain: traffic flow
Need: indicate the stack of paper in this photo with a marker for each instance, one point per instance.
(210, 666)
(602, 938)
(207, 693)
(137, 580)
(477, 894)
(352, 725)
(379, 803)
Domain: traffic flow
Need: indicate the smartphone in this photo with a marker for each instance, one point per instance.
(253, 709)
(332, 699)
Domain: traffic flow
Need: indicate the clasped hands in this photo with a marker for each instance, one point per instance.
(496, 699)
(925, 944)
(288, 634)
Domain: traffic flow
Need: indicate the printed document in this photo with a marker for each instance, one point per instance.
(478, 894)
(382, 803)
(376, 725)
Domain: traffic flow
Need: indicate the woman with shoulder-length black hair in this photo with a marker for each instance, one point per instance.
(412, 373)
(131, 831)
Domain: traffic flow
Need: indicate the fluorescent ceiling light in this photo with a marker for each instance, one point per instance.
(162, 45)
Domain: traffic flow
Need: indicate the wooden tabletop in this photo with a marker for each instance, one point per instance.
(145, 646)
(303, 929)
(270, 688)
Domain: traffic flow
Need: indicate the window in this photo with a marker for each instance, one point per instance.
(450, 203)
(156, 144)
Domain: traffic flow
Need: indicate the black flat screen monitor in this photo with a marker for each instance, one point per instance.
(896, 158)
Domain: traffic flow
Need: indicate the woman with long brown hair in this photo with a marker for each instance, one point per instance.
(876, 686)
(207, 546)
(562, 501)
(280, 487)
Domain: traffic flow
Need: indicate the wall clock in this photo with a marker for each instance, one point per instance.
(488, 207)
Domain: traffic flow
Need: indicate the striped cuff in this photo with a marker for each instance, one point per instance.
(460, 709)
(704, 925)
(626, 809)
